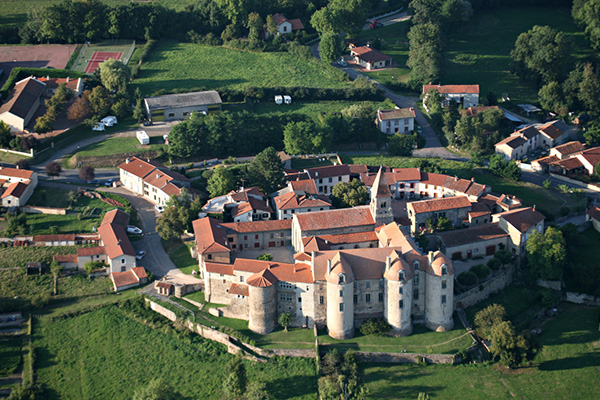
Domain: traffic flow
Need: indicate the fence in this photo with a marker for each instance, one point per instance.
(21, 153)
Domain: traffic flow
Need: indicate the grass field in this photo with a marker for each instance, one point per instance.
(479, 51)
(41, 224)
(10, 355)
(586, 267)
(566, 368)
(179, 253)
(313, 109)
(395, 44)
(108, 353)
(172, 65)
(119, 145)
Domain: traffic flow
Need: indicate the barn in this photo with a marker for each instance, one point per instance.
(173, 107)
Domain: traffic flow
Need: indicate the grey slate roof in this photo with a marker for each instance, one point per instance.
(183, 100)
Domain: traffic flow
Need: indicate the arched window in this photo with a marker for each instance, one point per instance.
(342, 279)
(401, 276)
(444, 269)
(416, 265)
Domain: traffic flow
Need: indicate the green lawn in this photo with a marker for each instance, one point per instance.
(179, 253)
(395, 44)
(19, 291)
(120, 145)
(10, 355)
(422, 340)
(566, 368)
(110, 352)
(172, 65)
(41, 224)
(314, 108)
(479, 51)
(49, 197)
(586, 269)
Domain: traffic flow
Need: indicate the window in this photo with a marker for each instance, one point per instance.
(271, 236)
(416, 294)
(171, 115)
(416, 265)
(401, 290)
(381, 297)
(122, 261)
(380, 283)
(368, 297)
(339, 178)
(444, 269)
(241, 279)
(256, 245)
(321, 300)
(330, 180)
(285, 285)
(401, 276)
(299, 299)
(355, 298)
(245, 237)
(443, 299)
(341, 293)
(281, 234)
(416, 278)
(341, 306)
(401, 304)
(342, 279)
(255, 236)
(443, 284)
(368, 284)
(123, 269)
(285, 211)
(384, 204)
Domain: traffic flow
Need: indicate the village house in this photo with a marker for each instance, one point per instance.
(17, 186)
(171, 107)
(244, 205)
(519, 143)
(370, 58)
(465, 95)
(327, 177)
(285, 25)
(120, 255)
(291, 203)
(581, 163)
(520, 223)
(483, 240)
(129, 279)
(455, 209)
(151, 179)
(22, 103)
(74, 85)
(593, 215)
(398, 120)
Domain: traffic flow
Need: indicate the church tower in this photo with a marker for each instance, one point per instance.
(381, 200)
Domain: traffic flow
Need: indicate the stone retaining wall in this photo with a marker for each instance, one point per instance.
(402, 358)
(492, 286)
(580, 298)
(163, 311)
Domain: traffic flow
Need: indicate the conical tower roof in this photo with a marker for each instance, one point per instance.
(380, 188)
(264, 278)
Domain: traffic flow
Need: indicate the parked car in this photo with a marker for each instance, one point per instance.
(140, 254)
(159, 208)
(342, 62)
(95, 182)
(134, 230)
(99, 127)
(147, 123)
(109, 182)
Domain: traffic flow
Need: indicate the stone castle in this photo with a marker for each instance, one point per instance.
(384, 275)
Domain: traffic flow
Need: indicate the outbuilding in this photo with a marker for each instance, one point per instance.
(172, 107)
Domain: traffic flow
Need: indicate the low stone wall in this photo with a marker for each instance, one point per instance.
(580, 298)
(554, 285)
(575, 182)
(476, 295)
(199, 305)
(43, 210)
(402, 358)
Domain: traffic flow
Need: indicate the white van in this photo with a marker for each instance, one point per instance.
(109, 121)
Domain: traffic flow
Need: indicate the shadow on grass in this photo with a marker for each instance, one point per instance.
(292, 387)
(584, 360)
(381, 385)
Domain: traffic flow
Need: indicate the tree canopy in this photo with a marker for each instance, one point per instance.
(236, 381)
(547, 254)
(305, 138)
(114, 75)
(330, 47)
(349, 194)
(266, 170)
(221, 182)
(87, 173)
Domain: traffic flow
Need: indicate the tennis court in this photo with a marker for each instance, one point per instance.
(99, 57)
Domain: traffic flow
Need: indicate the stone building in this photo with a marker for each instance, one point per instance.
(455, 209)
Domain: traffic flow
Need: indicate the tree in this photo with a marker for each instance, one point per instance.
(114, 75)
(173, 221)
(305, 138)
(157, 389)
(592, 135)
(285, 319)
(255, 25)
(138, 112)
(401, 145)
(87, 173)
(221, 182)
(488, 318)
(266, 170)
(540, 54)
(235, 382)
(91, 266)
(271, 25)
(17, 224)
(456, 11)
(547, 254)
(589, 88)
(99, 101)
(23, 164)
(349, 194)
(330, 47)
(44, 124)
(53, 168)
(257, 391)
(265, 257)
(56, 270)
(546, 184)
(551, 97)
(507, 344)
(121, 108)
(80, 108)
(5, 136)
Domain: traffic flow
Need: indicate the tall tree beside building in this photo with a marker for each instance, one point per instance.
(547, 254)
(221, 182)
(330, 47)
(266, 170)
(114, 75)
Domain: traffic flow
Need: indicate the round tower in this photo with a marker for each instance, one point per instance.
(398, 291)
(261, 302)
(439, 292)
(340, 299)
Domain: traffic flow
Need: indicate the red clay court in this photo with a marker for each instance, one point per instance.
(99, 57)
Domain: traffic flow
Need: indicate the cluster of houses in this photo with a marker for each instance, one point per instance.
(338, 267)
(16, 186)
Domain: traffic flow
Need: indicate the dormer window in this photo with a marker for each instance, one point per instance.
(342, 279)
(401, 276)
(416, 265)
(444, 269)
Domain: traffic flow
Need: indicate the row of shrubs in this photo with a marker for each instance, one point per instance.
(143, 54)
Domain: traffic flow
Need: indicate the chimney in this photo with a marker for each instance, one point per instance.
(534, 207)
(430, 257)
(127, 160)
(328, 267)
(67, 79)
(472, 179)
(388, 263)
(312, 260)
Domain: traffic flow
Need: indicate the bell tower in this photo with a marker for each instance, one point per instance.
(381, 200)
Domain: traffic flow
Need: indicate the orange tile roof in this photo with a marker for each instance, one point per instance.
(568, 163)
(594, 212)
(210, 236)
(242, 290)
(115, 240)
(258, 226)
(381, 185)
(313, 243)
(127, 278)
(52, 83)
(369, 54)
(65, 258)
(116, 216)
(433, 179)
(259, 204)
(242, 195)
(306, 185)
(282, 271)
(452, 89)
(474, 234)
(140, 272)
(15, 189)
(16, 172)
(358, 168)
(219, 268)
(344, 238)
(139, 167)
(333, 219)
(263, 278)
(479, 210)
(171, 189)
(554, 129)
(23, 97)
(523, 218)
(407, 174)
(591, 155)
(569, 148)
(157, 178)
(291, 201)
(91, 251)
(445, 203)
(241, 209)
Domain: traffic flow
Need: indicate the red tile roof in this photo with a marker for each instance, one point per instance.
(139, 167)
(568, 163)
(358, 168)
(475, 234)
(479, 210)
(333, 219)
(258, 226)
(52, 83)
(569, 148)
(243, 195)
(407, 174)
(328, 171)
(434, 205)
(591, 155)
(368, 54)
(241, 209)
(381, 185)
(16, 172)
(554, 129)
(24, 95)
(452, 89)
(116, 216)
(280, 18)
(115, 240)
(282, 271)
(218, 268)
(313, 243)
(15, 189)
(210, 236)
(344, 238)
(291, 201)
(306, 185)
(242, 290)
(263, 278)
(523, 219)
(91, 251)
(54, 238)
(127, 278)
(594, 212)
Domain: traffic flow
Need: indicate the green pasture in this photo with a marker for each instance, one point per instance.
(313, 108)
(174, 66)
